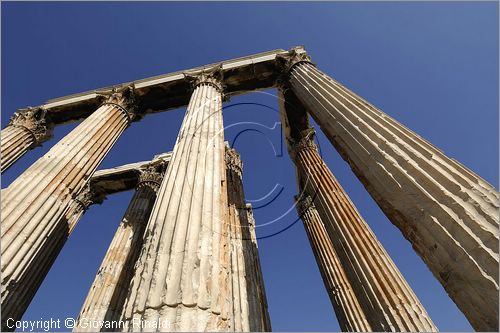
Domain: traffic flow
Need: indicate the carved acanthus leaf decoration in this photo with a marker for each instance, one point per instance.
(123, 98)
(287, 61)
(150, 177)
(304, 202)
(33, 120)
(213, 76)
(233, 161)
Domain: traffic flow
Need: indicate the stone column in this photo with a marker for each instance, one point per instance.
(17, 299)
(249, 304)
(261, 290)
(26, 130)
(104, 302)
(385, 297)
(448, 213)
(34, 205)
(347, 308)
(182, 276)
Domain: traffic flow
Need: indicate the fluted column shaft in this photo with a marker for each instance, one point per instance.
(182, 275)
(249, 306)
(387, 300)
(448, 213)
(105, 300)
(15, 302)
(27, 129)
(347, 308)
(34, 205)
(261, 290)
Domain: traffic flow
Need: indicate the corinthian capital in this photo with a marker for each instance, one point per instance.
(251, 219)
(122, 98)
(33, 120)
(211, 76)
(233, 161)
(150, 177)
(287, 61)
(306, 142)
(304, 203)
(88, 197)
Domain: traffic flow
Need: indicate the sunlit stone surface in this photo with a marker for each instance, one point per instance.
(448, 213)
(197, 265)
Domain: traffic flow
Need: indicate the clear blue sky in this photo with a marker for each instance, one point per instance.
(432, 66)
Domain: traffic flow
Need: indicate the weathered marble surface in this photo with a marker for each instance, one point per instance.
(347, 308)
(182, 275)
(249, 299)
(384, 295)
(105, 300)
(26, 130)
(34, 206)
(448, 213)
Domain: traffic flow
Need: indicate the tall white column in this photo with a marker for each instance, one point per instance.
(34, 205)
(448, 213)
(105, 300)
(182, 276)
(347, 308)
(27, 129)
(249, 302)
(261, 290)
(387, 300)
